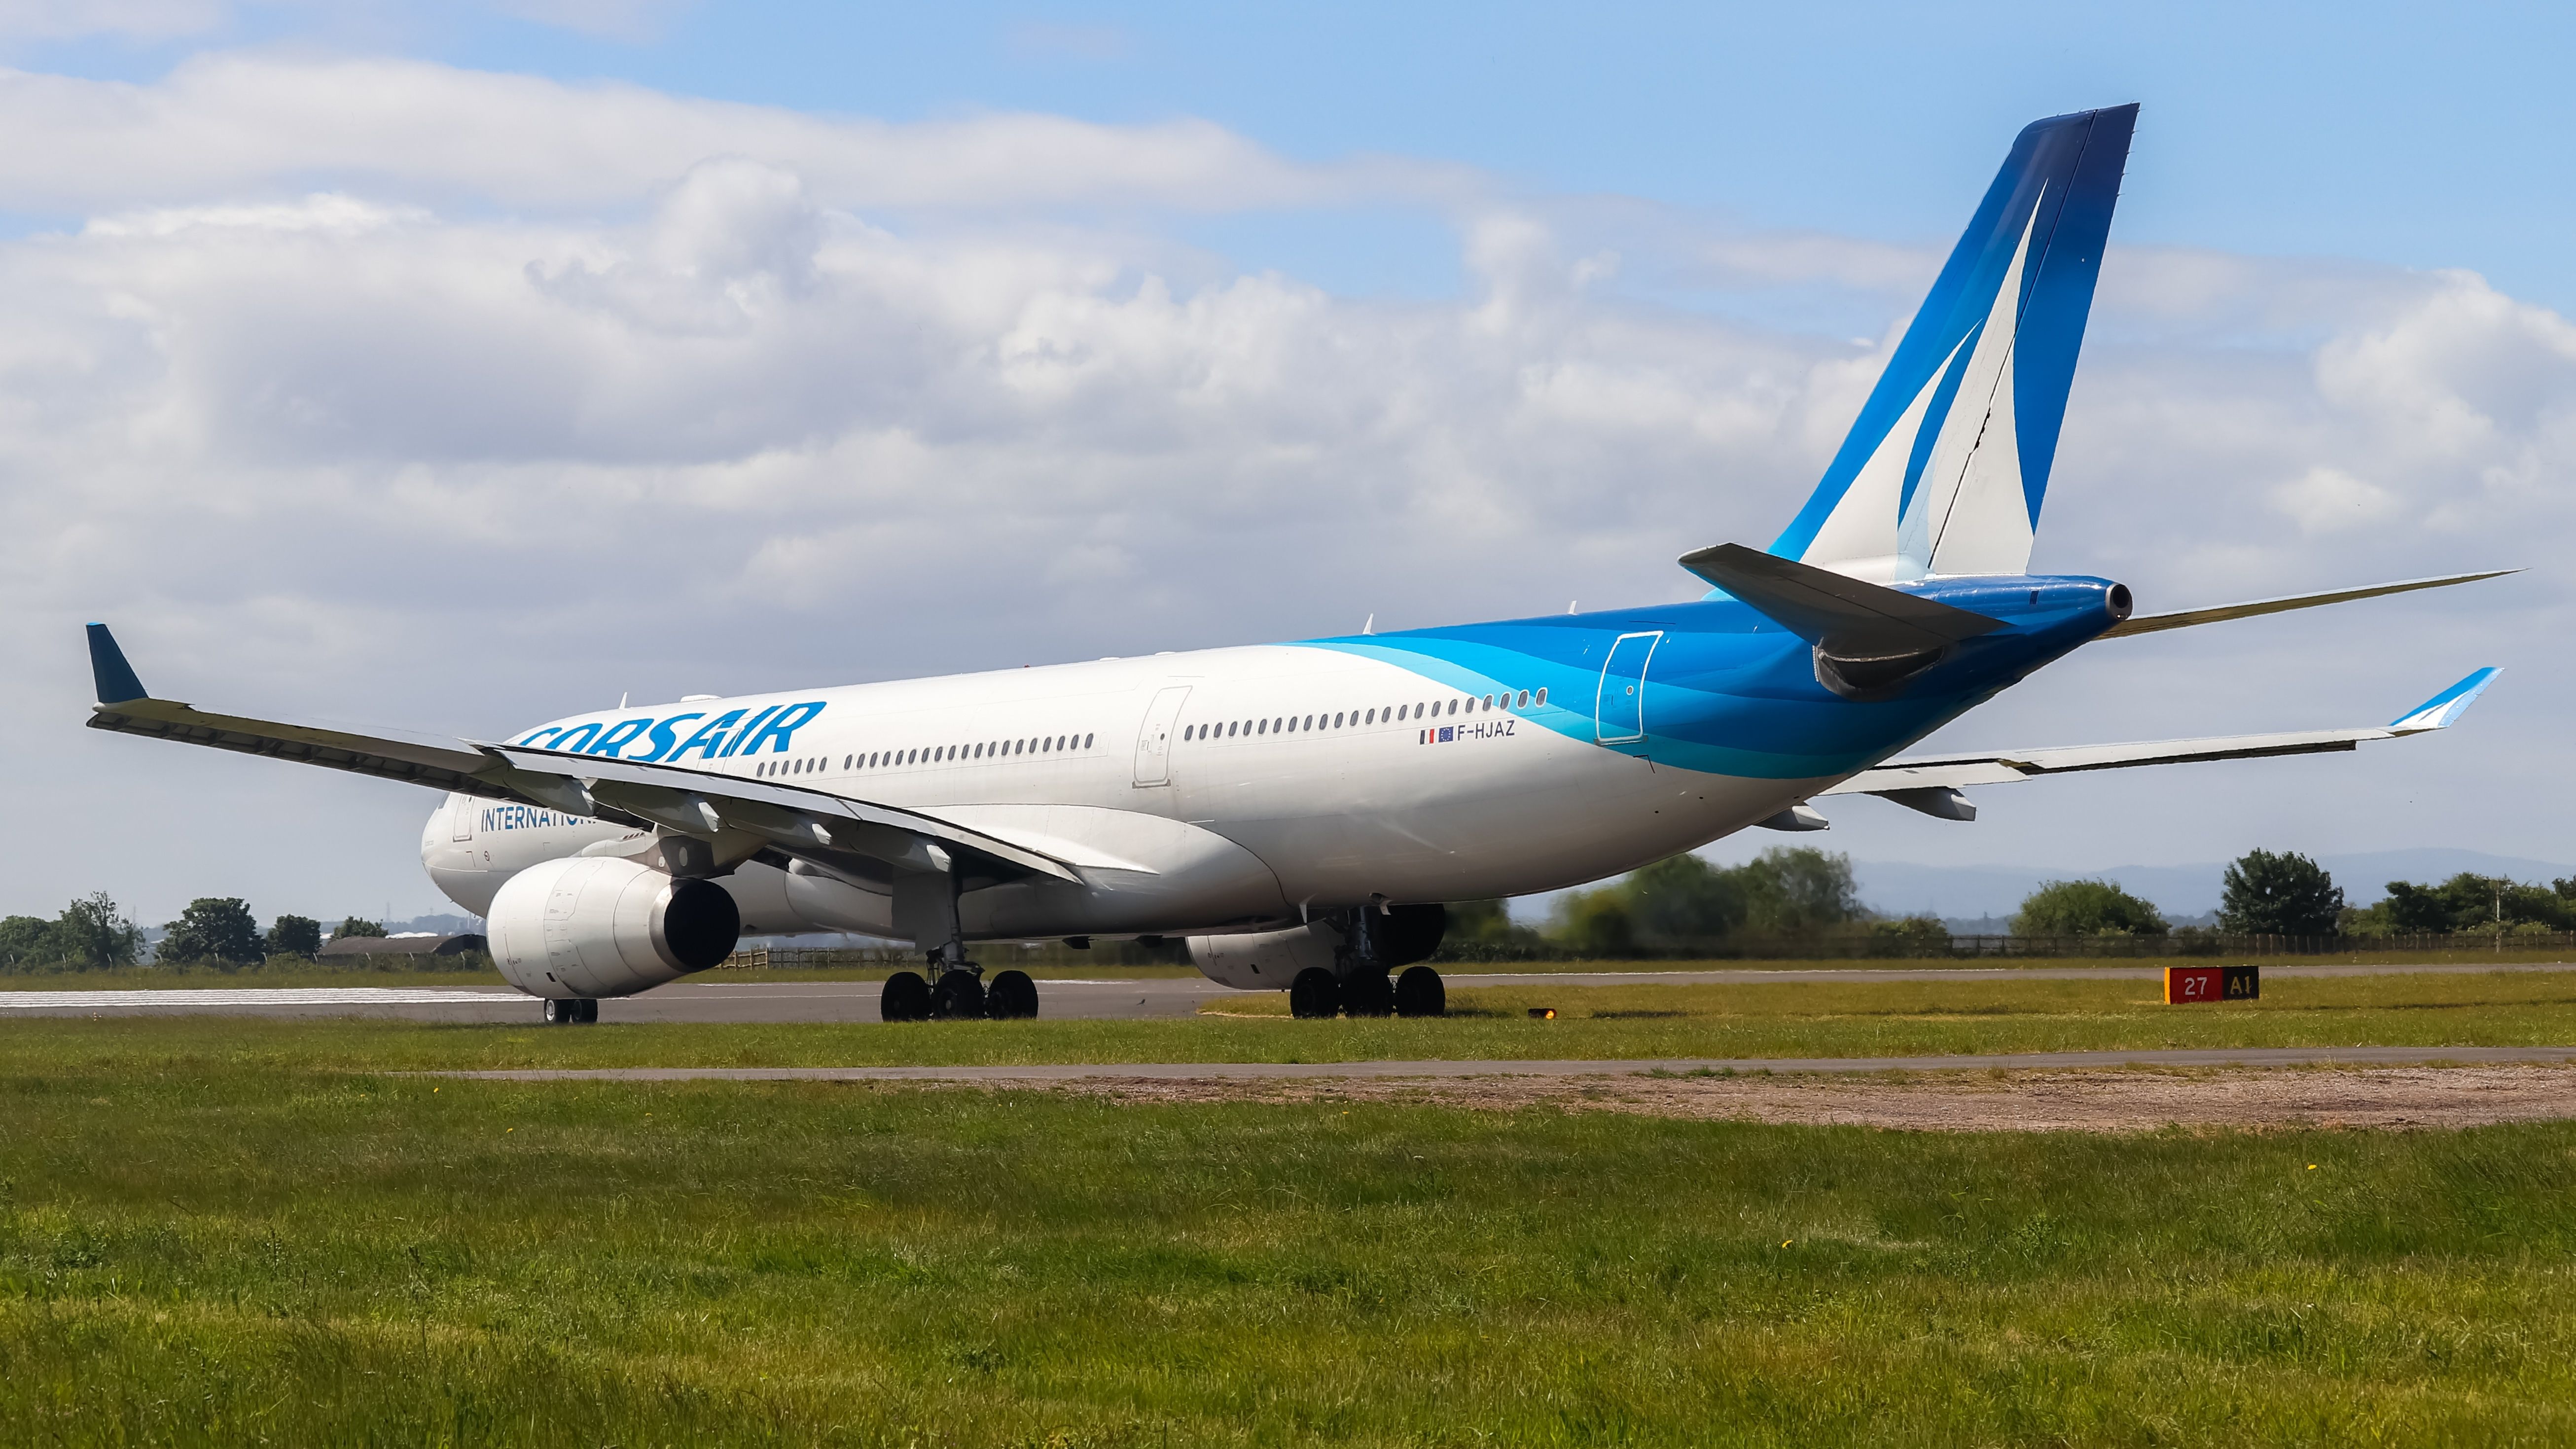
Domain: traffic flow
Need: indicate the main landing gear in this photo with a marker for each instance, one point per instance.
(961, 995)
(1318, 993)
(571, 1011)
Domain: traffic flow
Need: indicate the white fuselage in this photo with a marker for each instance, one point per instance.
(1220, 790)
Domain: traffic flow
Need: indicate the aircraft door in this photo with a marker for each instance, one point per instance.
(1154, 741)
(460, 817)
(1619, 714)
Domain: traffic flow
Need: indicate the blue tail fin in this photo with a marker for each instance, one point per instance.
(1945, 470)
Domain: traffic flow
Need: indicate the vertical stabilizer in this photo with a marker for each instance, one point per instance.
(1945, 470)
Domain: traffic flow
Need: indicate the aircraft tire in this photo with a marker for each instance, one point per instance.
(906, 998)
(1420, 992)
(585, 1012)
(559, 1011)
(957, 997)
(1314, 994)
(1012, 997)
(1367, 992)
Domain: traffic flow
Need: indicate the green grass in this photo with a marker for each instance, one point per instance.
(202, 1249)
(401, 973)
(1761, 1019)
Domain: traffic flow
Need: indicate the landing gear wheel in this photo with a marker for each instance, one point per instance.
(958, 996)
(1419, 992)
(906, 998)
(586, 1011)
(1366, 992)
(1314, 994)
(1012, 997)
(561, 1011)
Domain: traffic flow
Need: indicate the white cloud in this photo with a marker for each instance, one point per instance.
(225, 124)
(706, 417)
(2329, 500)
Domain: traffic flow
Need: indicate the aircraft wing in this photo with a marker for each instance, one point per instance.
(2158, 623)
(850, 836)
(1938, 776)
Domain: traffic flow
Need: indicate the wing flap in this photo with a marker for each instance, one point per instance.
(788, 816)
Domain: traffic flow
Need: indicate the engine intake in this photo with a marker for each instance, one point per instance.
(602, 926)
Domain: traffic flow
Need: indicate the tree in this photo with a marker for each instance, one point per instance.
(1795, 889)
(294, 936)
(2279, 895)
(93, 931)
(26, 942)
(2085, 908)
(217, 929)
(355, 927)
(1597, 923)
(1685, 897)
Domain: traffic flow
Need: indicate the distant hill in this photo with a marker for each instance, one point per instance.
(1963, 893)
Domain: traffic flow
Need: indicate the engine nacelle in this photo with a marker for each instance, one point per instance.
(1267, 960)
(1270, 960)
(592, 926)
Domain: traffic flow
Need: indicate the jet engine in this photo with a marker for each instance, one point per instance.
(588, 927)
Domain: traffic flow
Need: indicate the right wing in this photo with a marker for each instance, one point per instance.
(840, 834)
(1922, 783)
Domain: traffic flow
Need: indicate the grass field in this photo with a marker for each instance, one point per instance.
(1762, 1019)
(226, 1230)
(198, 977)
(237, 1253)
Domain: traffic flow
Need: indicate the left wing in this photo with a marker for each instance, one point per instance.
(1932, 784)
(738, 816)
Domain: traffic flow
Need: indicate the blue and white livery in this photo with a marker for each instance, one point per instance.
(1299, 811)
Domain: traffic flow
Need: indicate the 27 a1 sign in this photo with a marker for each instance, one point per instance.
(2188, 984)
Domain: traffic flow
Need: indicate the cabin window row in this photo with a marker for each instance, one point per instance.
(1347, 719)
(932, 755)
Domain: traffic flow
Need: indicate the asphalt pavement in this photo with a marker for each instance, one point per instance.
(1094, 999)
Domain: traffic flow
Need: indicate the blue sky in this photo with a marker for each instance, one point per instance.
(459, 367)
(2404, 134)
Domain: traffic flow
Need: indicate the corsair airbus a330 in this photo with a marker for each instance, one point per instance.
(1298, 811)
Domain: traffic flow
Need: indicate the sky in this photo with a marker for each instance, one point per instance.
(455, 367)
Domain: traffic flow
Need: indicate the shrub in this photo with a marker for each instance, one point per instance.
(2086, 908)
(2279, 895)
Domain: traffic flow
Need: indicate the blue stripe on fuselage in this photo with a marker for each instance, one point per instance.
(1729, 692)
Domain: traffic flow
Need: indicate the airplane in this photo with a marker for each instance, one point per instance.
(1299, 811)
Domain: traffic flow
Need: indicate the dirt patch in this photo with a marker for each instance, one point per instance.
(2083, 1100)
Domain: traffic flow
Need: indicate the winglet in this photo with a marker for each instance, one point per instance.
(2447, 707)
(115, 677)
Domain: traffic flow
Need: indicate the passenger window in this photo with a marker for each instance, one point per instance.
(1542, 696)
(1337, 721)
(1524, 699)
(1372, 718)
(1087, 739)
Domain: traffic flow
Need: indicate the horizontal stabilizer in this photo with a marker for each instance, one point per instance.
(1958, 771)
(1870, 641)
(2156, 623)
(1819, 605)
